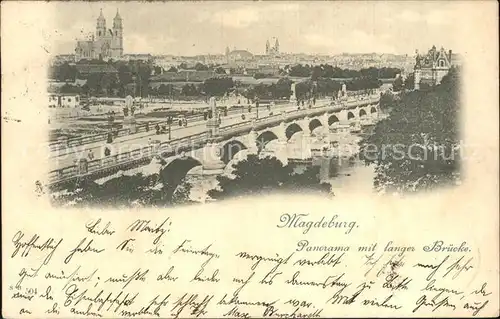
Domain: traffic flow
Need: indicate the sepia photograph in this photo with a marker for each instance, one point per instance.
(250, 159)
(161, 113)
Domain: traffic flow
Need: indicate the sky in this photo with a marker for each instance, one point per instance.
(316, 27)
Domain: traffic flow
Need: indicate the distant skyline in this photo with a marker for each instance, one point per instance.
(195, 28)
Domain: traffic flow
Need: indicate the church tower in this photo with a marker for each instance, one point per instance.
(118, 34)
(277, 47)
(267, 47)
(101, 26)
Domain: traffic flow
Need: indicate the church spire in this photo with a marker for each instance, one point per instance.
(101, 17)
(101, 26)
(117, 21)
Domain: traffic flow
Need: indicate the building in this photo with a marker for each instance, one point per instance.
(184, 76)
(105, 44)
(275, 50)
(432, 67)
(144, 57)
(67, 100)
(239, 56)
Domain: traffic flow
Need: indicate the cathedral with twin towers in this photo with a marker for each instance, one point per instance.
(105, 43)
(275, 50)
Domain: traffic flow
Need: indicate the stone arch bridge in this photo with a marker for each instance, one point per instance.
(213, 155)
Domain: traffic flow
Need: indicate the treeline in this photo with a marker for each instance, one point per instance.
(278, 90)
(329, 71)
(119, 79)
(116, 79)
(111, 85)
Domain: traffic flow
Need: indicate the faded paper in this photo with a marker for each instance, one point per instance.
(363, 255)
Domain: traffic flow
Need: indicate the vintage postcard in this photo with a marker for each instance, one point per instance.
(240, 159)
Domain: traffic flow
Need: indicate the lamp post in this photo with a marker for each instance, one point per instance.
(171, 94)
(257, 106)
(169, 122)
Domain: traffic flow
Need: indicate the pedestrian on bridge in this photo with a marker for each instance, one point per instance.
(109, 138)
(90, 154)
(157, 128)
(147, 127)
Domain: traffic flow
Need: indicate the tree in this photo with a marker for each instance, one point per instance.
(316, 72)
(397, 85)
(282, 89)
(220, 70)
(303, 90)
(410, 82)
(300, 70)
(200, 67)
(142, 73)
(256, 176)
(259, 76)
(94, 83)
(363, 83)
(328, 87)
(63, 72)
(189, 90)
(417, 147)
(157, 70)
(108, 83)
(125, 191)
(68, 88)
(387, 101)
(217, 86)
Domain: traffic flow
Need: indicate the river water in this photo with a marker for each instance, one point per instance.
(344, 172)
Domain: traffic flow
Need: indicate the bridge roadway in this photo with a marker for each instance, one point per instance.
(80, 143)
(138, 149)
(66, 157)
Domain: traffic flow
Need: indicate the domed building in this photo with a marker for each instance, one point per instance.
(238, 55)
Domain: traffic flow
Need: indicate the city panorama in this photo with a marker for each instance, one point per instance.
(157, 114)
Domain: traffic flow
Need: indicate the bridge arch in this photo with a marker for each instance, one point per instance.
(362, 113)
(350, 115)
(230, 149)
(315, 123)
(242, 155)
(373, 110)
(332, 119)
(292, 129)
(175, 171)
(264, 138)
